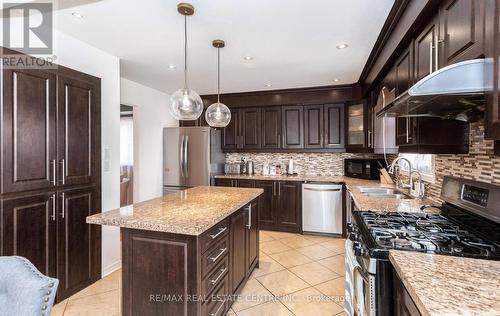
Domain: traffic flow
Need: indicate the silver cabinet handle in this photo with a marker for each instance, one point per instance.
(249, 208)
(221, 230)
(279, 188)
(222, 251)
(279, 140)
(186, 157)
(431, 57)
(181, 157)
(407, 130)
(54, 175)
(369, 138)
(63, 207)
(216, 313)
(53, 198)
(322, 190)
(214, 281)
(62, 162)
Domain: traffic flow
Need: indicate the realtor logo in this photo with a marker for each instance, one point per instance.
(27, 27)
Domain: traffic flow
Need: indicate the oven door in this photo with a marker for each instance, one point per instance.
(362, 293)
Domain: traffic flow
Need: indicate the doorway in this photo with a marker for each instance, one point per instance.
(126, 155)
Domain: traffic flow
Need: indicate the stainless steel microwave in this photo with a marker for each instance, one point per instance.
(363, 168)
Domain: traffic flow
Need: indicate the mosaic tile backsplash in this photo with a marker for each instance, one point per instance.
(328, 164)
(480, 164)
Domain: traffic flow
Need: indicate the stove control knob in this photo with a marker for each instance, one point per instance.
(350, 227)
(358, 251)
(353, 236)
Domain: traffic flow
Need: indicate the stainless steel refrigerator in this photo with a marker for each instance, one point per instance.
(191, 156)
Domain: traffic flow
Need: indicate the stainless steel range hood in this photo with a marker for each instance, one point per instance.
(453, 92)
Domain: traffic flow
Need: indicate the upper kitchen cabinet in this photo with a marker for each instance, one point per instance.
(324, 126)
(271, 127)
(78, 124)
(492, 29)
(313, 126)
(426, 55)
(460, 31)
(357, 126)
(292, 127)
(29, 143)
(334, 134)
(250, 128)
(230, 133)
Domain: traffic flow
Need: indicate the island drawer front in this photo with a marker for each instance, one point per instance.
(217, 303)
(216, 277)
(213, 256)
(213, 235)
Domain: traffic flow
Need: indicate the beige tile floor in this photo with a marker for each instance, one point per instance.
(298, 275)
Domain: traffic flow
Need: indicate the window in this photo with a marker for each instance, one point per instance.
(422, 163)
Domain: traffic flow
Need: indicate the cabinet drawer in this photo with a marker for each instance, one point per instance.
(214, 235)
(214, 256)
(217, 303)
(216, 277)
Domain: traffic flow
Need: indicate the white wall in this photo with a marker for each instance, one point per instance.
(80, 56)
(150, 117)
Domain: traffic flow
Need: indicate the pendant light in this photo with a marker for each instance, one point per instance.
(185, 104)
(218, 114)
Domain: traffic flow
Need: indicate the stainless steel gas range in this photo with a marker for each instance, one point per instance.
(468, 225)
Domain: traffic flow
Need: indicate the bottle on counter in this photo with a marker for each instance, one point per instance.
(290, 166)
(243, 166)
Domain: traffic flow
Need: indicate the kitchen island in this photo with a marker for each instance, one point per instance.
(186, 252)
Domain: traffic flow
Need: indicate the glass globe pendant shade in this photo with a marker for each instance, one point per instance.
(218, 115)
(186, 105)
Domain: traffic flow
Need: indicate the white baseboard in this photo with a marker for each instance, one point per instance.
(111, 268)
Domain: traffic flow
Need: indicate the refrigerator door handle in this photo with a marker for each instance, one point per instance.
(181, 157)
(186, 157)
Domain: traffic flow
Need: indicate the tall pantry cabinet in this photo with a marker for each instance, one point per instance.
(50, 163)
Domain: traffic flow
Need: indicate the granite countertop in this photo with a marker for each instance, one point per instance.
(362, 201)
(447, 285)
(188, 212)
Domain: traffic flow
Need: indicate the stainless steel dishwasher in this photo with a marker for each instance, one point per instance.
(322, 208)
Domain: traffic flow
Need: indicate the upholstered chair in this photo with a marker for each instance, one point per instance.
(23, 289)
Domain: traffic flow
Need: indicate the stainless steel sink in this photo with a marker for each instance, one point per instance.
(387, 193)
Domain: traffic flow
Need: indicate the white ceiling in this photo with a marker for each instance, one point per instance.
(293, 42)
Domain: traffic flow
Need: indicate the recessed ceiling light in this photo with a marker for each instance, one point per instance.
(336, 80)
(171, 67)
(248, 58)
(269, 85)
(78, 15)
(342, 46)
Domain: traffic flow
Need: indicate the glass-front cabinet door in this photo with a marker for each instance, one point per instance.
(356, 125)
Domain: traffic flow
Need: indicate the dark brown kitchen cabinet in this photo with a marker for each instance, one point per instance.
(78, 254)
(28, 130)
(403, 303)
(29, 230)
(492, 29)
(238, 249)
(324, 126)
(426, 54)
(313, 126)
(334, 132)
(250, 128)
(225, 182)
(243, 131)
(271, 127)
(431, 135)
(77, 124)
(244, 239)
(293, 127)
(230, 133)
(267, 217)
(289, 205)
(51, 172)
(461, 26)
(252, 235)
